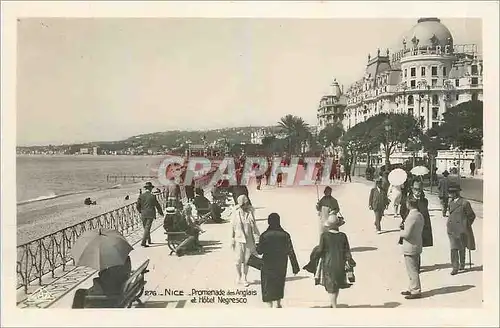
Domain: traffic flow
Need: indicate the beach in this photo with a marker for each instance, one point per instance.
(36, 219)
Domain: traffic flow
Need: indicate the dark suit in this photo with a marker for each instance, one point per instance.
(147, 204)
(443, 186)
(459, 228)
(378, 202)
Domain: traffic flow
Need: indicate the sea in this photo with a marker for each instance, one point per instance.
(40, 177)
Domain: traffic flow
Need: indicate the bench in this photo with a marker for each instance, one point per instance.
(132, 291)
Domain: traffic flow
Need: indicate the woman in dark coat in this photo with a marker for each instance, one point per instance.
(276, 246)
(335, 259)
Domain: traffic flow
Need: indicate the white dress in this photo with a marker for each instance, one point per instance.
(395, 195)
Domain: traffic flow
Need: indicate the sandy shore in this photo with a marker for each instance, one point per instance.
(37, 219)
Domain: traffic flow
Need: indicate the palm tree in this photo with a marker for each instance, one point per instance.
(296, 130)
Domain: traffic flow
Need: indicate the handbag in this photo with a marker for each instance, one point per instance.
(255, 262)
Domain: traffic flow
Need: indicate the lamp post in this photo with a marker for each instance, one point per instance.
(387, 127)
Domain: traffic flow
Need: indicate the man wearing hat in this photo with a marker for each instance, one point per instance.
(443, 186)
(459, 228)
(377, 202)
(147, 204)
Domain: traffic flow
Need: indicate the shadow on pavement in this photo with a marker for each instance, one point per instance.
(389, 231)
(210, 242)
(363, 249)
(387, 305)
(288, 279)
(446, 290)
(476, 268)
(157, 244)
(440, 266)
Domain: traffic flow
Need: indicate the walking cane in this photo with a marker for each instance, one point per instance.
(317, 192)
(470, 260)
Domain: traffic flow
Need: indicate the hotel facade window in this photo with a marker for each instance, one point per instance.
(410, 111)
(435, 113)
(406, 71)
(434, 71)
(444, 71)
(474, 96)
(457, 82)
(410, 100)
(457, 97)
(412, 83)
(434, 82)
(474, 81)
(473, 70)
(435, 99)
(422, 71)
(413, 72)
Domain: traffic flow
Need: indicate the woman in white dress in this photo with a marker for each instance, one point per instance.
(244, 234)
(395, 197)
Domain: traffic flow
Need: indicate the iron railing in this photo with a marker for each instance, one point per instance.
(45, 255)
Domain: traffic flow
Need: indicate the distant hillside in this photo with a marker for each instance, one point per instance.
(166, 140)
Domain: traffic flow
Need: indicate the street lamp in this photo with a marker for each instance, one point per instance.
(387, 127)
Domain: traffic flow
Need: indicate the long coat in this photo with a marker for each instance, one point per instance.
(378, 200)
(459, 224)
(423, 208)
(276, 247)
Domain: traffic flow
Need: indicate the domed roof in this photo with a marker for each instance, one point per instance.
(336, 92)
(428, 32)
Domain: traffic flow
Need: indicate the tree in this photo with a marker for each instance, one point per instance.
(357, 141)
(463, 125)
(296, 130)
(391, 130)
(330, 135)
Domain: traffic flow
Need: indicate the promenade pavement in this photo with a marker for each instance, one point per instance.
(380, 271)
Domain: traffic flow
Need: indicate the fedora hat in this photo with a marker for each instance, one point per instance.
(454, 187)
(446, 173)
(148, 185)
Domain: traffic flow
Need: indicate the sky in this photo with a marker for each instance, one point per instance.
(103, 79)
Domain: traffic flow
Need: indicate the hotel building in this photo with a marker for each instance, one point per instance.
(428, 75)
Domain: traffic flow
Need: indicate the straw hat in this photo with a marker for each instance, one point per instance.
(170, 210)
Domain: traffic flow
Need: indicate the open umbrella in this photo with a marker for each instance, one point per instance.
(397, 177)
(419, 170)
(101, 249)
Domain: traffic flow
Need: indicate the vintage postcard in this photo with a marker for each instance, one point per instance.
(203, 163)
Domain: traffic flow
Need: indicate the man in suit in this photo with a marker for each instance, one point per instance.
(412, 248)
(147, 204)
(443, 186)
(459, 228)
(377, 202)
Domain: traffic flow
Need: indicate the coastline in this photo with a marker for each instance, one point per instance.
(39, 218)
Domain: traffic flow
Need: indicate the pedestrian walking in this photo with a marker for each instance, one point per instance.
(275, 245)
(394, 196)
(342, 172)
(335, 259)
(459, 228)
(472, 167)
(244, 233)
(147, 205)
(377, 202)
(325, 205)
(443, 195)
(348, 169)
(412, 248)
(417, 192)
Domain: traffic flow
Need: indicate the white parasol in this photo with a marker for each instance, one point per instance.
(397, 177)
(419, 170)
